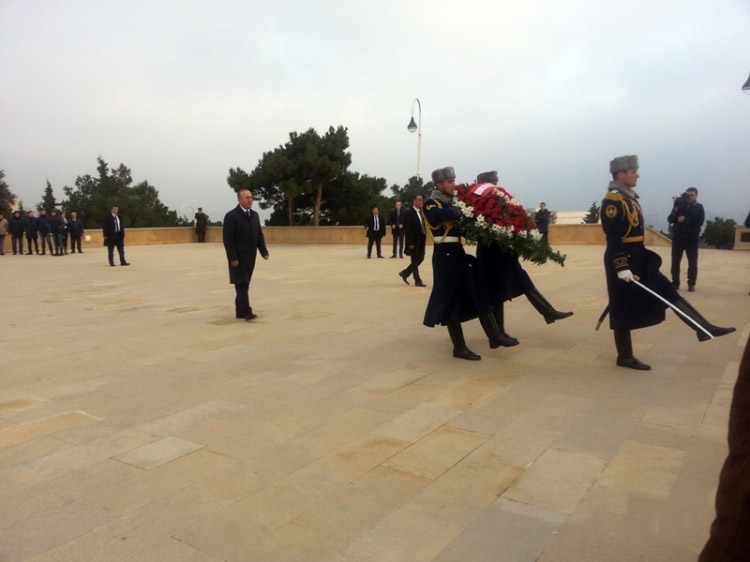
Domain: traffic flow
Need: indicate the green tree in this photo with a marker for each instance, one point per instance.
(94, 196)
(592, 217)
(293, 178)
(719, 233)
(6, 196)
(414, 187)
(48, 202)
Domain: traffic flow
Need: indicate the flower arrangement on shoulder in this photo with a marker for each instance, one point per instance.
(492, 216)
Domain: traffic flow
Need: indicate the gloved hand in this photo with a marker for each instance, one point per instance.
(625, 275)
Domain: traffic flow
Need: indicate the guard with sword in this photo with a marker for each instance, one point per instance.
(638, 293)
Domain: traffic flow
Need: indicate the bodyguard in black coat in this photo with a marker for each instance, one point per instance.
(75, 229)
(114, 236)
(31, 232)
(243, 239)
(43, 227)
(416, 234)
(374, 230)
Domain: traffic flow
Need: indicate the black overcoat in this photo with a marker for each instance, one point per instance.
(243, 238)
(457, 290)
(630, 307)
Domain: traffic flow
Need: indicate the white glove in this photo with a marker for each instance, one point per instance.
(625, 275)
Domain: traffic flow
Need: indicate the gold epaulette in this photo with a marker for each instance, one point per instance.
(614, 196)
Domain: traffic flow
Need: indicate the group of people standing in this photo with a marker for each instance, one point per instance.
(52, 231)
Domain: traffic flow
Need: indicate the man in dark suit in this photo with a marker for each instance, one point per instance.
(415, 241)
(374, 230)
(114, 236)
(243, 238)
(397, 229)
(75, 229)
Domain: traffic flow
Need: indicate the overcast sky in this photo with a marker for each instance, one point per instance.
(544, 91)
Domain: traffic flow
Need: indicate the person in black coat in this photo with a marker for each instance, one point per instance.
(56, 230)
(43, 227)
(416, 234)
(542, 220)
(374, 230)
(32, 234)
(201, 222)
(75, 229)
(17, 228)
(114, 237)
(243, 239)
(686, 218)
(397, 229)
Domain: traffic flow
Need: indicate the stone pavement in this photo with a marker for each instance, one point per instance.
(139, 421)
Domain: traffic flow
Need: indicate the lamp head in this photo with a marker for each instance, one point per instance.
(745, 88)
(412, 125)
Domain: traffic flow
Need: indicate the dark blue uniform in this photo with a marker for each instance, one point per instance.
(456, 291)
(630, 306)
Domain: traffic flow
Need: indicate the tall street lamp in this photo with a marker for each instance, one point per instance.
(417, 127)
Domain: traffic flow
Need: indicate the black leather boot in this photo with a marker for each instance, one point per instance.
(715, 331)
(543, 306)
(460, 350)
(625, 357)
(497, 339)
(499, 313)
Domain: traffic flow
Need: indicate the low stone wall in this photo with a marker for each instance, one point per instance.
(741, 238)
(559, 234)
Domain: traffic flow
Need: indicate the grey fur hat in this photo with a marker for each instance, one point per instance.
(488, 177)
(442, 174)
(623, 164)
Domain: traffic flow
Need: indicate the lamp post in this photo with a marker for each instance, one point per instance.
(745, 87)
(417, 127)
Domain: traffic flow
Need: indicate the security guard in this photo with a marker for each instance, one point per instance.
(457, 294)
(626, 258)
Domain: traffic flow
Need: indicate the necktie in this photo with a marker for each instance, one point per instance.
(117, 224)
(421, 224)
(376, 228)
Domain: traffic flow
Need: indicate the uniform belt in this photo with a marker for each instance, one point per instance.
(447, 239)
(632, 239)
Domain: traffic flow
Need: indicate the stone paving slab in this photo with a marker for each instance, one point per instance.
(139, 421)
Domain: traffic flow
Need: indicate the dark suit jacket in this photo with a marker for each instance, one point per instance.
(413, 233)
(243, 238)
(75, 227)
(371, 232)
(108, 230)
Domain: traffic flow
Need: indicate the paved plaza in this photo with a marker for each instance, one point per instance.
(139, 421)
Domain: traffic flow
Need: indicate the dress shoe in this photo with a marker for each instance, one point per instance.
(465, 353)
(250, 316)
(632, 363)
(126, 263)
(111, 265)
(401, 274)
(691, 288)
(419, 284)
(381, 257)
(393, 257)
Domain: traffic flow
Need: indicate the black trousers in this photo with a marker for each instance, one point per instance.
(398, 239)
(120, 250)
(36, 243)
(413, 269)
(75, 240)
(690, 247)
(242, 300)
(46, 241)
(377, 245)
(201, 235)
(20, 244)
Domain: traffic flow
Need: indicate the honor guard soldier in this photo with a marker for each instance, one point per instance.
(457, 294)
(626, 259)
(504, 279)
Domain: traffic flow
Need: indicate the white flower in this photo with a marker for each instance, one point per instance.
(480, 220)
(535, 234)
